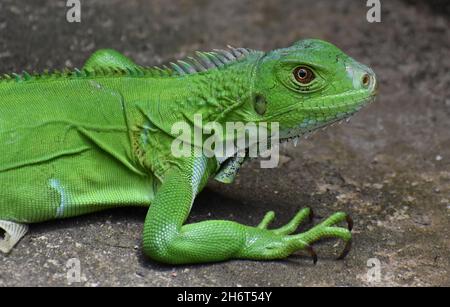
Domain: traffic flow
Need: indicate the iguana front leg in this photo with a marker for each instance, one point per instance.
(167, 239)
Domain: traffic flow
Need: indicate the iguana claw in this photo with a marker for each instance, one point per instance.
(348, 246)
(349, 222)
(311, 215)
(313, 254)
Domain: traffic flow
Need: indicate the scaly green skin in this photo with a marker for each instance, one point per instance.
(83, 141)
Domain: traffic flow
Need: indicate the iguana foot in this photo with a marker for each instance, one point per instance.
(305, 240)
(10, 234)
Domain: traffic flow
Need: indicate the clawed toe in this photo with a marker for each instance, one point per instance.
(328, 229)
(304, 241)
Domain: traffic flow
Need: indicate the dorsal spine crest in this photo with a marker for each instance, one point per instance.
(202, 62)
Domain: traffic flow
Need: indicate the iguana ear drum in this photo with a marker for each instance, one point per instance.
(260, 104)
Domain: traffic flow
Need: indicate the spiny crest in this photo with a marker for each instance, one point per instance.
(204, 61)
(99, 71)
(208, 60)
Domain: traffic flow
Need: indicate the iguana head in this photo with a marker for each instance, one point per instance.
(309, 85)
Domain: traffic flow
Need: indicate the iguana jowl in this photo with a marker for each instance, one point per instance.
(87, 140)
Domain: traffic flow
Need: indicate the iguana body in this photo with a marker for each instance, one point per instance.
(91, 139)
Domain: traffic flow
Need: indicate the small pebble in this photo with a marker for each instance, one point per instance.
(409, 199)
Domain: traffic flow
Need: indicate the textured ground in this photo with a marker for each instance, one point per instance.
(389, 168)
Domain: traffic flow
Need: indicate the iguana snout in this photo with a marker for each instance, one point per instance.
(310, 85)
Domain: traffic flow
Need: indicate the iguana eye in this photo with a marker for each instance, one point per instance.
(304, 75)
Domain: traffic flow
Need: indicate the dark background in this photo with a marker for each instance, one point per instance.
(389, 168)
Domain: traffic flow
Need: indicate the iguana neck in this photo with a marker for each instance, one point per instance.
(213, 94)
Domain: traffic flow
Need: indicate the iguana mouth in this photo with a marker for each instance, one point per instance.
(305, 131)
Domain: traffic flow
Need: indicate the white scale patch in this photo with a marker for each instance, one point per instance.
(56, 184)
(198, 171)
(353, 76)
(13, 233)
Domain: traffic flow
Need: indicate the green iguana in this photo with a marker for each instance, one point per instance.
(81, 141)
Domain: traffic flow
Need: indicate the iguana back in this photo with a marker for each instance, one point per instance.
(66, 149)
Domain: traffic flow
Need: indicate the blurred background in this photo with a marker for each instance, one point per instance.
(389, 168)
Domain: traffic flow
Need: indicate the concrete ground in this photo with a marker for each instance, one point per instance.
(389, 168)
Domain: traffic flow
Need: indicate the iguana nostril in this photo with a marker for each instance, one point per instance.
(365, 80)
